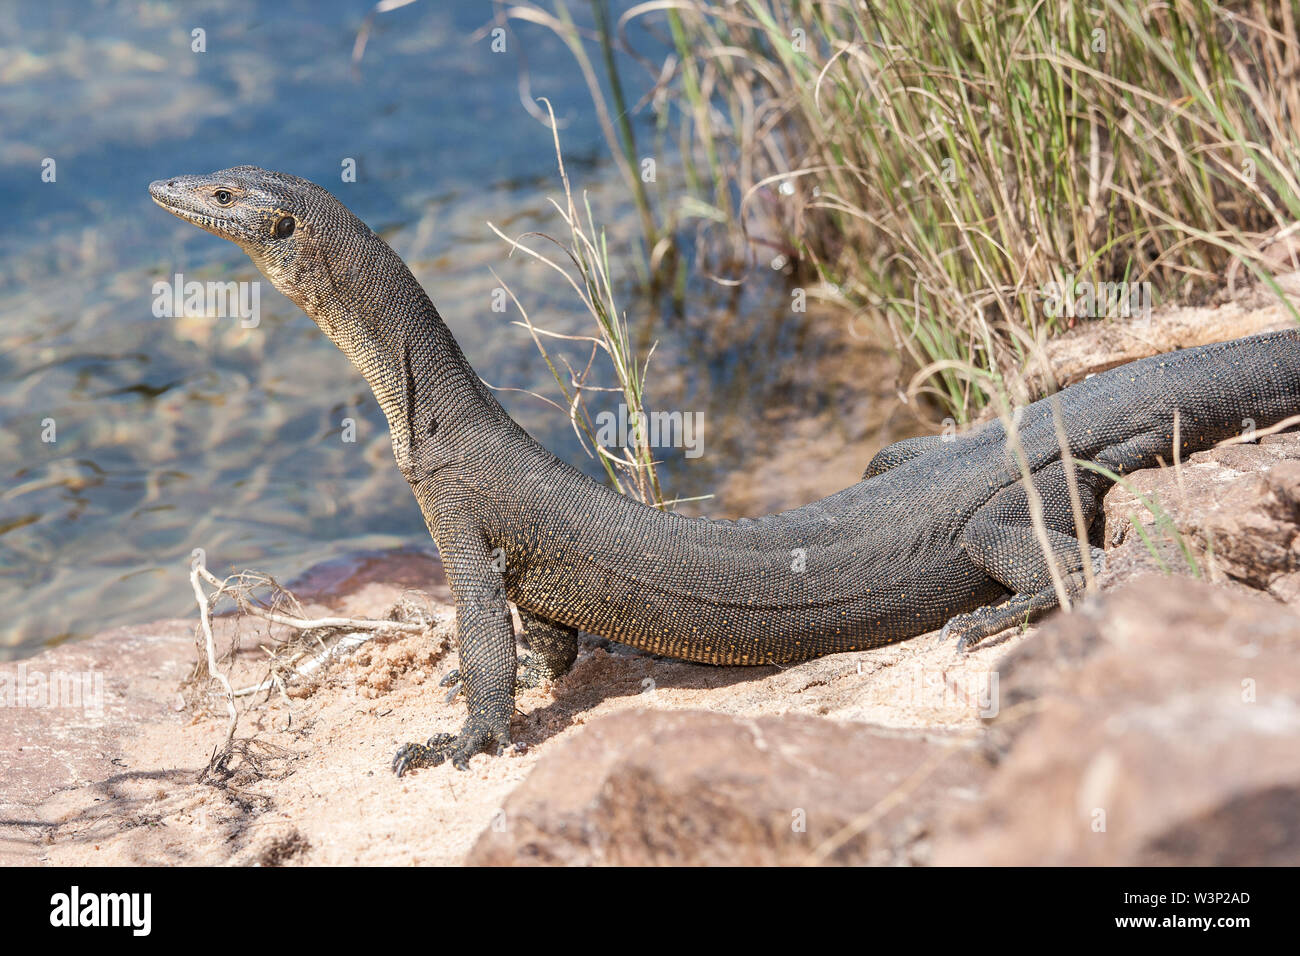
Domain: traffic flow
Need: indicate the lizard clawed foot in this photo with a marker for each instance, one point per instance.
(1016, 611)
(531, 671)
(971, 640)
(966, 627)
(474, 738)
(972, 628)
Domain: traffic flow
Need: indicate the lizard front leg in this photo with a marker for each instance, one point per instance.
(486, 642)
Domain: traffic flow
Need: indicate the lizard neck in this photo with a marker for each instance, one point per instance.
(370, 305)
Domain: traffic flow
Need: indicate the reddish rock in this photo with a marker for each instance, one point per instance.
(690, 787)
(1236, 508)
(331, 582)
(1157, 725)
(63, 712)
(1094, 346)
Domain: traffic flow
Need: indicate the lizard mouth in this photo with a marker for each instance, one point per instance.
(166, 193)
(180, 197)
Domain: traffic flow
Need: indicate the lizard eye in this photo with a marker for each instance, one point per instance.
(284, 227)
(223, 197)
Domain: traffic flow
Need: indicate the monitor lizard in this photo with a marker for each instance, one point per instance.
(936, 534)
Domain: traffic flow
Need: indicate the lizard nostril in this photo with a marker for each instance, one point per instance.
(171, 182)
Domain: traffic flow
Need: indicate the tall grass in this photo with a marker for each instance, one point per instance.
(583, 262)
(941, 164)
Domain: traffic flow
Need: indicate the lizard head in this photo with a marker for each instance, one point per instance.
(283, 222)
(333, 267)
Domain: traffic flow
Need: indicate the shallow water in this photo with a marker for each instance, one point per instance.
(194, 432)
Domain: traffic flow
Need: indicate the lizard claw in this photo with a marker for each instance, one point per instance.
(453, 681)
(458, 748)
(964, 643)
(968, 628)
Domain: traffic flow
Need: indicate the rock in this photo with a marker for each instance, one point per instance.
(1236, 509)
(691, 787)
(357, 580)
(1094, 346)
(1159, 724)
(63, 712)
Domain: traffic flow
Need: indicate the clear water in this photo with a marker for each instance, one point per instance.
(175, 434)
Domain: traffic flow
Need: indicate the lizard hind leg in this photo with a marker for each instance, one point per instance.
(1019, 609)
(549, 651)
(1001, 540)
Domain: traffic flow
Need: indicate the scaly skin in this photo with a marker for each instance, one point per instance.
(937, 532)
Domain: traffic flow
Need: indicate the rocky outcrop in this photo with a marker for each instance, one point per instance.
(1233, 511)
(1094, 346)
(698, 788)
(1157, 725)
(1160, 723)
